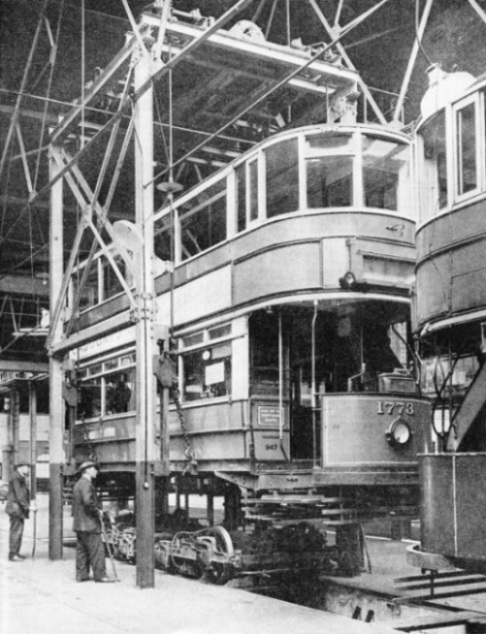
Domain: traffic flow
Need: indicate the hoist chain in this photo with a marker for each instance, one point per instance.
(189, 451)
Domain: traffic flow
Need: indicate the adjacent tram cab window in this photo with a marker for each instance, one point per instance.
(433, 192)
(466, 149)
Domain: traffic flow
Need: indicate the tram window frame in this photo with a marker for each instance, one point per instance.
(434, 166)
(200, 349)
(282, 171)
(391, 186)
(325, 153)
(253, 192)
(99, 373)
(91, 294)
(460, 142)
(189, 212)
(240, 193)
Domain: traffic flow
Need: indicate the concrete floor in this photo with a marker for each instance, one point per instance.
(40, 596)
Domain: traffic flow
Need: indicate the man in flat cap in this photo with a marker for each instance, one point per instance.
(18, 508)
(87, 526)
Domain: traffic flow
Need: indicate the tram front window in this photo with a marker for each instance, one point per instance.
(330, 181)
(349, 349)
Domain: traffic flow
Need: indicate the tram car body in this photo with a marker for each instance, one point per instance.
(451, 310)
(289, 295)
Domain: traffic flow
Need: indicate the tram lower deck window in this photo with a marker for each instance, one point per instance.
(207, 373)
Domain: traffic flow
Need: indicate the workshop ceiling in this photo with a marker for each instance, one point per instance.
(47, 64)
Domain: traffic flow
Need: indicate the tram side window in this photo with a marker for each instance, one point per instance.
(89, 398)
(90, 294)
(203, 224)
(282, 185)
(466, 149)
(241, 196)
(120, 395)
(382, 164)
(329, 181)
(162, 239)
(111, 284)
(207, 373)
(434, 191)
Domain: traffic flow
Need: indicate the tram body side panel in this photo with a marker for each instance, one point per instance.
(459, 510)
(451, 271)
(355, 428)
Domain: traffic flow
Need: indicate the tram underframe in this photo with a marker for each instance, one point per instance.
(207, 526)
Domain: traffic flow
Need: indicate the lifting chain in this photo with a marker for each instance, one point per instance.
(189, 451)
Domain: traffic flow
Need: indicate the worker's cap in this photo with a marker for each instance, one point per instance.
(22, 464)
(86, 465)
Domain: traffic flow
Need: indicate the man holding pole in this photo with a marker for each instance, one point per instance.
(88, 528)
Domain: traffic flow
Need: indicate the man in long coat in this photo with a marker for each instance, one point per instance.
(18, 507)
(87, 526)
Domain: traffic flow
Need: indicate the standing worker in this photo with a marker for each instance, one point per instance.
(87, 526)
(18, 508)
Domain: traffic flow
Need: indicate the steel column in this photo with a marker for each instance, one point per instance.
(56, 405)
(146, 388)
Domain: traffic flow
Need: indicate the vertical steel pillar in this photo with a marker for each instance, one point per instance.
(146, 388)
(14, 418)
(56, 406)
(33, 440)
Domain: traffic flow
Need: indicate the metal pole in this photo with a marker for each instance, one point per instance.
(56, 405)
(146, 392)
(33, 459)
(15, 422)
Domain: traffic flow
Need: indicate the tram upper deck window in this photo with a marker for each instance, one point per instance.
(241, 196)
(282, 178)
(329, 176)
(384, 164)
(467, 179)
(163, 247)
(111, 283)
(203, 222)
(90, 292)
(433, 192)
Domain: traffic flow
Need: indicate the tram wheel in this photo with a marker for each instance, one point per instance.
(221, 573)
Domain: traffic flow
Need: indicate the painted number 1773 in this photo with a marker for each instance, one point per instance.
(395, 407)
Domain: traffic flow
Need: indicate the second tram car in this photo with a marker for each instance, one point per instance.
(451, 318)
(286, 280)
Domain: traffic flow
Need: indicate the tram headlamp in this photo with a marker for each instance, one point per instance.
(348, 280)
(399, 433)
